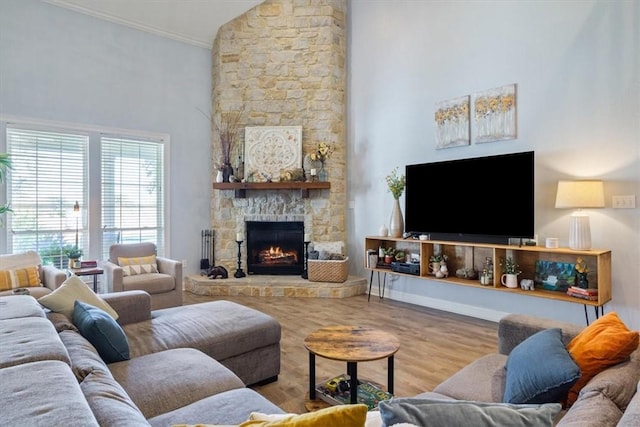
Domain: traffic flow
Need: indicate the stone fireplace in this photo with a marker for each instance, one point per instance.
(283, 63)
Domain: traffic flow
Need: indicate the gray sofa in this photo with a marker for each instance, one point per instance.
(610, 398)
(52, 375)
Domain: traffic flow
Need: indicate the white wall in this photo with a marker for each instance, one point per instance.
(59, 65)
(576, 65)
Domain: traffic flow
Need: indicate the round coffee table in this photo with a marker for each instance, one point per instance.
(351, 344)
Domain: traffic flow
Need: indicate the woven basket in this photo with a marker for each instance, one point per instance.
(335, 271)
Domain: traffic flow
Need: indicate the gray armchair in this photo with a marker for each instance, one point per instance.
(50, 276)
(164, 286)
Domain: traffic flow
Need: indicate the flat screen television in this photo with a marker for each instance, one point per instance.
(480, 200)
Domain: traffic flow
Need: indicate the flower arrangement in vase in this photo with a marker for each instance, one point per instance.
(510, 271)
(321, 154)
(581, 273)
(227, 126)
(396, 184)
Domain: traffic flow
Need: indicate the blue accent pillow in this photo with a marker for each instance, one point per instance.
(540, 370)
(102, 331)
(440, 412)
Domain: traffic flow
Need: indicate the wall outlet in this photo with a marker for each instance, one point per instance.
(624, 202)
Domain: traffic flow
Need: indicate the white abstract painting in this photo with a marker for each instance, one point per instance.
(452, 122)
(494, 115)
(269, 150)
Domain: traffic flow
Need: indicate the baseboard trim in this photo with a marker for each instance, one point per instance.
(444, 305)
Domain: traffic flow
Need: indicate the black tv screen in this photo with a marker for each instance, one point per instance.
(484, 199)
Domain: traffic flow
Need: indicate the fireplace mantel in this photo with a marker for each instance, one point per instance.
(241, 187)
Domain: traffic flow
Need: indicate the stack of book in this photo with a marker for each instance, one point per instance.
(590, 294)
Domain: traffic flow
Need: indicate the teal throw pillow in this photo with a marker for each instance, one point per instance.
(540, 370)
(102, 331)
(440, 412)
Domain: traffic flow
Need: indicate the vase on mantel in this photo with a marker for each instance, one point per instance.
(323, 175)
(396, 225)
(227, 171)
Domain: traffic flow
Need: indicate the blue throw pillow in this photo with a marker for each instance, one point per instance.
(440, 412)
(102, 331)
(540, 370)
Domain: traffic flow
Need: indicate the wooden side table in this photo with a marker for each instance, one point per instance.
(351, 344)
(92, 271)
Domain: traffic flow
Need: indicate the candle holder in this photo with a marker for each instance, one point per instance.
(239, 273)
(305, 274)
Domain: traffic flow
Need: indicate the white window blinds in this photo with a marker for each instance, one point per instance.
(48, 175)
(132, 192)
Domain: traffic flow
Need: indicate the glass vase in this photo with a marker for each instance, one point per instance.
(323, 175)
(396, 225)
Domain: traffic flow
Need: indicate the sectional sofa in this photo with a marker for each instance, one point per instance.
(186, 365)
(533, 368)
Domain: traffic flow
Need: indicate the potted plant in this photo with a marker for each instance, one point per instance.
(74, 254)
(436, 260)
(510, 272)
(400, 256)
(389, 253)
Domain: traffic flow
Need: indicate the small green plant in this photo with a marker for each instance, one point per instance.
(72, 251)
(396, 183)
(400, 256)
(510, 267)
(438, 258)
(390, 251)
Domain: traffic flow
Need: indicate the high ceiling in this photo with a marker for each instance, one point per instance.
(190, 21)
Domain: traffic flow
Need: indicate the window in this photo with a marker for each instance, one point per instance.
(132, 196)
(121, 194)
(48, 176)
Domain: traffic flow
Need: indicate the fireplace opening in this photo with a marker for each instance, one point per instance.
(275, 247)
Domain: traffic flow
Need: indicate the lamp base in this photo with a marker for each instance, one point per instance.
(579, 232)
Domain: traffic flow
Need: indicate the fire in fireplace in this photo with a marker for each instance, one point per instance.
(275, 247)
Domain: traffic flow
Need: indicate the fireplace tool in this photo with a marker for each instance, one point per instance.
(207, 250)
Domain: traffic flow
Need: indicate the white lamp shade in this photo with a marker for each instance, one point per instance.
(580, 194)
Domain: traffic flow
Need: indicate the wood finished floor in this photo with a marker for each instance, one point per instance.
(433, 344)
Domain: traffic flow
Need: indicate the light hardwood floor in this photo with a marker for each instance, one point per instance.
(433, 344)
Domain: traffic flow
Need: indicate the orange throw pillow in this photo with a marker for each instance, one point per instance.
(604, 343)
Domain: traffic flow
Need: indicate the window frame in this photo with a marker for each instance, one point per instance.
(92, 209)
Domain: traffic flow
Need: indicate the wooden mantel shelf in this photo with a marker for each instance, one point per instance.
(241, 187)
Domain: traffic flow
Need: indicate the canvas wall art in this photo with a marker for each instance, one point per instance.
(494, 114)
(554, 276)
(269, 150)
(452, 122)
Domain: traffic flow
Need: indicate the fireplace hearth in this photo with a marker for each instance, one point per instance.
(275, 247)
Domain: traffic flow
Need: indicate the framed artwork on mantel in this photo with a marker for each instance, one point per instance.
(494, 114)
(452, 122)
(269, 150)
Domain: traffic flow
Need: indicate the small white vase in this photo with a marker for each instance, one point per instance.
(219, 176)
(384, 231)
(396, 225)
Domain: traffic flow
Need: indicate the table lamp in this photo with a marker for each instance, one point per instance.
(580, 194)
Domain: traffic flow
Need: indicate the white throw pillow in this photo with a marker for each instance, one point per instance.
(62, 299)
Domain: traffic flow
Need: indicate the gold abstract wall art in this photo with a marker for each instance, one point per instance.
(452, 122)
(494, 114)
